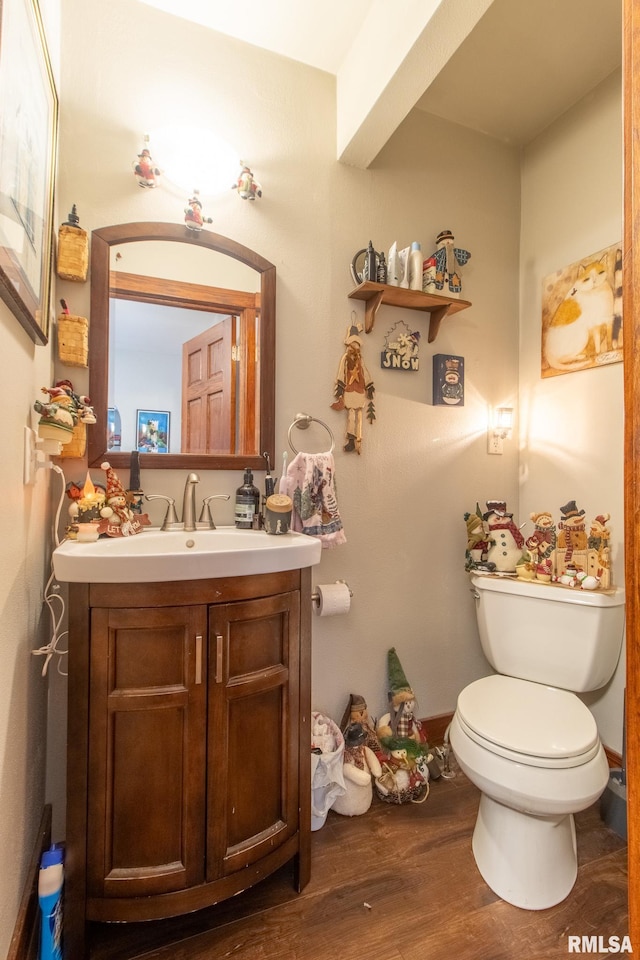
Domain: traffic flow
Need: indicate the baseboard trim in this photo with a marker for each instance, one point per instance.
(435, 728)
(613, 759)
(25, 940)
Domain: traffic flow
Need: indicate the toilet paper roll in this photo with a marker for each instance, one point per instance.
(333, 599)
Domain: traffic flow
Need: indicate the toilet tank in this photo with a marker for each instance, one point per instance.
(560, 636)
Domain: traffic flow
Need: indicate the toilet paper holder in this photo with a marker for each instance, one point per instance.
(315, 596)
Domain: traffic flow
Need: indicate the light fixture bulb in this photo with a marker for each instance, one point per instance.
(190, 154)
(504, 418)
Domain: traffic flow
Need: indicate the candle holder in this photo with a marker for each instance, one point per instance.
(88, 531)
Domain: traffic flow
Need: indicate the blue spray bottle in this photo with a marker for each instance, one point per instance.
(50, 882)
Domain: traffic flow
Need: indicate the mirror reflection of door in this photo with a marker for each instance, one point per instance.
(209, 390)
(213, 394)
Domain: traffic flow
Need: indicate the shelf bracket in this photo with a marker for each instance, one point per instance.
(437, 316)
(370, 310)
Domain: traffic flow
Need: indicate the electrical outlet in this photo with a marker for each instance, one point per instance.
(495, 443)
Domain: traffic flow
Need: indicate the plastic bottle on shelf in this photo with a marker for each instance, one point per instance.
(50, 880)
(381, 276)
(114, 429)
(415, 266)
(247, 502)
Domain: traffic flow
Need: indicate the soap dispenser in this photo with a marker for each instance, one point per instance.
(247, 502)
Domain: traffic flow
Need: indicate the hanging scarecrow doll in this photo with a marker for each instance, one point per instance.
(354, 389)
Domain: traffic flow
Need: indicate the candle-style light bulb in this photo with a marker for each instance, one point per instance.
(89, 490)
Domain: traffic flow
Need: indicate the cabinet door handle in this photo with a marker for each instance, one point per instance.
(218, 658)
(198, 658)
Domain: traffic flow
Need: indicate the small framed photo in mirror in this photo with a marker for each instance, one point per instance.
(152, 431)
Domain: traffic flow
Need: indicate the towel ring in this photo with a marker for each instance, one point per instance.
(302, 421)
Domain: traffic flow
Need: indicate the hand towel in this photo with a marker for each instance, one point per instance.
(311, 484)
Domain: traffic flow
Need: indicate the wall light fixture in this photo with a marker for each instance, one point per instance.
(500, 430)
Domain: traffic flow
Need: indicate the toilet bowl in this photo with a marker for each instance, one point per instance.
(525, 739)
(534, 753)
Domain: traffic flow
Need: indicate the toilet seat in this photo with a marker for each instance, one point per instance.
(528, 722)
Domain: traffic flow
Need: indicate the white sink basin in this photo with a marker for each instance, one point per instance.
(154, 556)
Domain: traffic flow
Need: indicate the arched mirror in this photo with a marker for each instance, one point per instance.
(181, 349)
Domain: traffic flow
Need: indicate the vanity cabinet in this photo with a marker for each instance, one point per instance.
(188, 754)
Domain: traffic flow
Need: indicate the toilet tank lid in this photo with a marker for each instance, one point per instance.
(612, 597)
(528, 718)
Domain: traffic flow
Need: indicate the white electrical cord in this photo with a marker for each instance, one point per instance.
(51, 594)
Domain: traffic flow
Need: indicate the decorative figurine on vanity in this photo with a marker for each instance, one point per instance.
(506, 541)
(85, 510)
(448, 261)
(354, 389)
(247, 187)
(119, 520)
(193, 217)
(147, 174)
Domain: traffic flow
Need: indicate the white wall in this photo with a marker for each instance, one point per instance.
(571, 435)
(421, 466)
(24, 569)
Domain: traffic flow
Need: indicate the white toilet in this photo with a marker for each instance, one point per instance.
(525, 740)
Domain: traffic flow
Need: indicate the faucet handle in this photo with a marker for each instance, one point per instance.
(206, 518)
(171, 521)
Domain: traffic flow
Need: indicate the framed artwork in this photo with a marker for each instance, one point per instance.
(152, 431)
(582, 314)
(28, 135)
(448, 380)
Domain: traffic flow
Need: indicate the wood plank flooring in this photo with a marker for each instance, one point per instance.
(398, 883)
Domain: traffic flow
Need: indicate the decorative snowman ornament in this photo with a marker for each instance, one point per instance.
(506, 541)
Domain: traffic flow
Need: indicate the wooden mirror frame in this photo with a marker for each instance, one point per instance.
(101, 242)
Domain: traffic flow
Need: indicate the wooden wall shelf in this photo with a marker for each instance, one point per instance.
(375, 294)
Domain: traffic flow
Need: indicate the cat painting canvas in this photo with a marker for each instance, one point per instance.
(582, 314)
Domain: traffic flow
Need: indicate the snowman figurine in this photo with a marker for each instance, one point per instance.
(506, 541)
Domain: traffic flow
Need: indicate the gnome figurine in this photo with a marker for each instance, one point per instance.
(400, 722)
(403, 739)
(119, 519)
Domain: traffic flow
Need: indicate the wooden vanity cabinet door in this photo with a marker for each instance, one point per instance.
(147, 752)
(252, 786)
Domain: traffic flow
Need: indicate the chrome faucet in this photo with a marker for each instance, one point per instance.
(189, 502)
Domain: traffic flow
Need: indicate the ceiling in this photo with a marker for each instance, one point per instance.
(519, 69)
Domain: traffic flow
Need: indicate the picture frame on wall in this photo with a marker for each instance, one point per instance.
(582, 314)
(448, 380)
(28, 140)
(152, 431)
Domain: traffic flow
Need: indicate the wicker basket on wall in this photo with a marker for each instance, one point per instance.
(73, 250)
(77, 446)
(73, 339)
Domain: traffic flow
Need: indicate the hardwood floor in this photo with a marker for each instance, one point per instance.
(398, 883)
